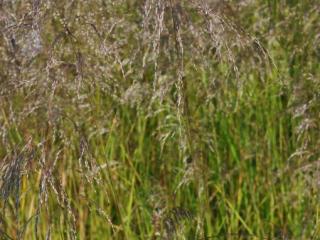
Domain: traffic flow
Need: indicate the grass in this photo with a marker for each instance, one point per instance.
(159, 119)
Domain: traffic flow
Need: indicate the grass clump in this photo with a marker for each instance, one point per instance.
(159, 119)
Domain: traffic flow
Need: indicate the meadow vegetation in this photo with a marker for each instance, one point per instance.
(160, 119)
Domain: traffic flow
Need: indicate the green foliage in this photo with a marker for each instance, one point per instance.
(158, 119)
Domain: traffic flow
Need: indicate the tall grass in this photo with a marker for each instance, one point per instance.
(157, 119)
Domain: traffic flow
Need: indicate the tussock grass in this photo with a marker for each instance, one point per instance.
(156, 119)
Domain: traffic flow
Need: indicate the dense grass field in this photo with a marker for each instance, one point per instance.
(160, 119)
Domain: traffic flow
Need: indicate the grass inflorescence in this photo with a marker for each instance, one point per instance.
(156, 119)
